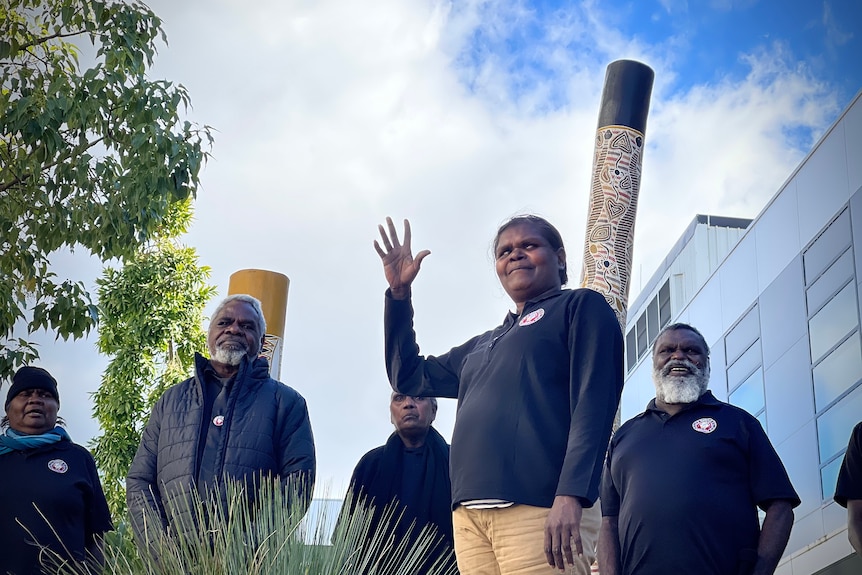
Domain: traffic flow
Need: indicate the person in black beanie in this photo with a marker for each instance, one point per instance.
(32, 378)
(57, 510)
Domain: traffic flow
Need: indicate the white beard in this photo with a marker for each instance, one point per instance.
(227, 356)
(680, 389)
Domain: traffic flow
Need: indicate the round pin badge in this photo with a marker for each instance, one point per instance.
(704, 425)
(532, 317)
(58, 466)
(218, 420)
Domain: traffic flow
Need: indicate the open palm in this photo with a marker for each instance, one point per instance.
(399, 265)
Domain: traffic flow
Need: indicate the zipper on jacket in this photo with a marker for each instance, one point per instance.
(508, 329)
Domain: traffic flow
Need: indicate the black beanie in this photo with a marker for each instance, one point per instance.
(32, 378)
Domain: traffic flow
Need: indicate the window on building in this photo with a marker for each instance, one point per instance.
(641, 328)
(664, 313)
(640, 338)
(749, 395)
(652, 320)
(631, 349)
(831, 324)
(827, 247)
(833, 433)
(838, 372)
(745, 366)
(835, 343)
(835, 277)
(742, 335)
(740, 369)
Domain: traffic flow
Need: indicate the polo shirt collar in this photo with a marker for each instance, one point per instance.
(553, 292)
(705, 400)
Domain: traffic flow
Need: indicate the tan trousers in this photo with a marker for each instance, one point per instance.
(511, 541)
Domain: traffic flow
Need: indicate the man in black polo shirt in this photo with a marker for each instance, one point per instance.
(683, 480)
(411, 471)
(848, 491)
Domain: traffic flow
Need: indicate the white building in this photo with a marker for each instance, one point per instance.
(778, 300)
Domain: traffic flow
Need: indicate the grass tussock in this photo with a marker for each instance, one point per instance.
(267, 535)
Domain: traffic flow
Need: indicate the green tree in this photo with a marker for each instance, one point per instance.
(90, 159)
(151, 318)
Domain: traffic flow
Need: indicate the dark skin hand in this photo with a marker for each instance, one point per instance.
(854, 524)
(773, 536)
(609, 546)
(399, 265)
(563, 532)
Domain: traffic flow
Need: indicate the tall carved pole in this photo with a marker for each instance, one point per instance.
(615, 186)
(616, 182)
(271, 289)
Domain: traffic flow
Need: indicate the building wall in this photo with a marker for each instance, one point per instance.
(781, 314)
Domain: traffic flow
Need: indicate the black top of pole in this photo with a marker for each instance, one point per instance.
(626, 95)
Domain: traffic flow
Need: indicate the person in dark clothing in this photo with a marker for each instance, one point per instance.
(410, 472)
(848, 491)
(230, 421)
(536, 401)
(51, 498)
(683, 480)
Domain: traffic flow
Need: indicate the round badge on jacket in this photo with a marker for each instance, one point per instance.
(532, 317)
(218, 420)
(58, 466)
(704, 425)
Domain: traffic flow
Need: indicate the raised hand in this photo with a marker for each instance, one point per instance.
(399, 265)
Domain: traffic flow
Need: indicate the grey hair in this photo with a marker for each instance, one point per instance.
(252, 301)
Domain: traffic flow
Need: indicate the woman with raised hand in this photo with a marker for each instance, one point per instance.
(536, 402)
(52, 507)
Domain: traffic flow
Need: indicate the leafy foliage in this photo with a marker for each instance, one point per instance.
(151, 324)
(90, 159)
(269, 535)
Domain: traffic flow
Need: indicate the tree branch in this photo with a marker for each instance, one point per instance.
(44, 39)
(75, 151)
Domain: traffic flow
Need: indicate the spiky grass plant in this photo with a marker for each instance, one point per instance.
(268, 536)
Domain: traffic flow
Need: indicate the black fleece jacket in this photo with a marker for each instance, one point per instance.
(536, 396)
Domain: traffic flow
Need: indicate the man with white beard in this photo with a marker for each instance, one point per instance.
(230, 420)
(683, 480)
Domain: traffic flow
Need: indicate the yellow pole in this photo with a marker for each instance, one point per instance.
(271, 289)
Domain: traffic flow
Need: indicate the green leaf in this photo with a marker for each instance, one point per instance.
(98, 160)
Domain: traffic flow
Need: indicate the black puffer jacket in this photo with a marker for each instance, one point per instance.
(266, 431)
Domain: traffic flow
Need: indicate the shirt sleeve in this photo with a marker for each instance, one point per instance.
(408, 371)
(98, 518)
(298, 462)
(595, 386)
(850, 475)
(141, 488)
(609, 496)
(768, 479)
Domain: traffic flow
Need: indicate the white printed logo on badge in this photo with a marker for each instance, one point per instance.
(218, 420)
(58, 466)
(704, 425)
(532, 317)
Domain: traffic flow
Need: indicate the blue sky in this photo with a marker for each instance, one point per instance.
(707, 42)
(332, 115)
